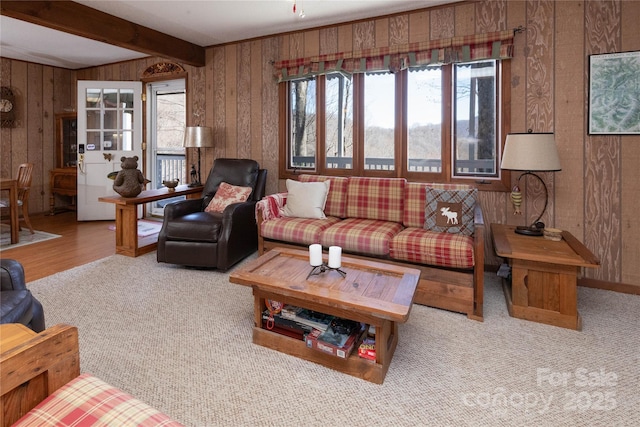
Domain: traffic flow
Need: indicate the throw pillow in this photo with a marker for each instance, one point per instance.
(450, 210)
(306, 199)
(226, 195)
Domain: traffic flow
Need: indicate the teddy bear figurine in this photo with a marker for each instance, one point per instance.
(129, 181)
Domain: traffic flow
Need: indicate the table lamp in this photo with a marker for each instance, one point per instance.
(531, 152)
(198, 137)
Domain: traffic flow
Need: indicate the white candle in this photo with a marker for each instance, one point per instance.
(335, 257)
(315, 254)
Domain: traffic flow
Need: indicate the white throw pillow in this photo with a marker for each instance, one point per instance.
(306, 199)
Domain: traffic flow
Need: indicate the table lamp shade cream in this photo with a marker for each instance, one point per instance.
(530, 152)
(198, 137)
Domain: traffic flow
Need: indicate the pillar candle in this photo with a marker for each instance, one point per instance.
(315, 255)
(335, 257)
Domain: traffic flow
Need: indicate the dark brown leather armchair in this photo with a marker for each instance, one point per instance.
(17, 304)
(192, 237)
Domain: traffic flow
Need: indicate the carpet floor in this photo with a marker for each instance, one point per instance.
(179, 339)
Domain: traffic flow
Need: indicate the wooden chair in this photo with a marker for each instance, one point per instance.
(25, 173)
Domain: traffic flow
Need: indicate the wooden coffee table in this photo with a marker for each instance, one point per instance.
(374, 293)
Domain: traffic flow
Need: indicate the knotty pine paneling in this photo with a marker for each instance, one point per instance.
(570, 117)
(442, 23)
(328, 40)
(219, 112)
(270, 119)
(398, 30)
(630, 153)
(231, 101)
(602, 156)
(382, 32)
(243, 105)
(345, 38)
(465, 16)
(491, 16)
(419, 29)
(256, 66)
(364, 35)
(539, 103)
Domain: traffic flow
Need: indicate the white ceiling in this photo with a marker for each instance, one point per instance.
(201, 22)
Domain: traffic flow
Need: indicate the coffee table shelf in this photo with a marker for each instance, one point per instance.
(373, 293)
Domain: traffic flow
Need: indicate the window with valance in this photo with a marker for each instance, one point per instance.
(425, 111)
(496, 45)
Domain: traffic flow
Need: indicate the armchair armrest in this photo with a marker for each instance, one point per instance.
(181, 208)
(270, 207)
(238, 234)
(11, 275)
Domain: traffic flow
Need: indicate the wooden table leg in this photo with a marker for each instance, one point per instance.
(127, 230)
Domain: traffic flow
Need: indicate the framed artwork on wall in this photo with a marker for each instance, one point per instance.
(614, 93)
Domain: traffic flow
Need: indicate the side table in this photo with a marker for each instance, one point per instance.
(127, 217)
(544, 275)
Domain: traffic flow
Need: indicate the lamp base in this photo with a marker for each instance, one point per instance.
(195, 184)
(529, 231)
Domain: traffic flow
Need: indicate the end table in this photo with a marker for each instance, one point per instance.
(544, 275)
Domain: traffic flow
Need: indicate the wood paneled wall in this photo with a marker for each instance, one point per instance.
(40, 93)
(596, 196)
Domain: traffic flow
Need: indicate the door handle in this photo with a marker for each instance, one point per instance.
(81, 163)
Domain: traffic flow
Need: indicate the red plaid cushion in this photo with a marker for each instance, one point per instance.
(376, 198)
(366, 236)
(296, 230)
(433, 248)
(337, 198)
(414, 202)
(88, 401)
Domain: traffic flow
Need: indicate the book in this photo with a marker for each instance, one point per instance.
(342, 351)
(284, 323)
(316, 320)
(292, 333)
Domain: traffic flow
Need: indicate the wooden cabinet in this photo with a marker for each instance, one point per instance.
(62, 179)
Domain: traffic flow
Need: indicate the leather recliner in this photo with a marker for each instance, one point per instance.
(17, 304)
(192, 237)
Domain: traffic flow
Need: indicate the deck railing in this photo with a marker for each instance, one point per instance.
(415, 165)
(170, 166)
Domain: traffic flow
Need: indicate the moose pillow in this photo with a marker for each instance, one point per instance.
(449, 208)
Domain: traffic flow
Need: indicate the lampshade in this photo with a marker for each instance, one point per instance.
(198, 137)
(530, 152)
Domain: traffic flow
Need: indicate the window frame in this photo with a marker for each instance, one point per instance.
(503, 93)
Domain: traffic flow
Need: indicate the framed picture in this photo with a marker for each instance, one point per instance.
(614, 93)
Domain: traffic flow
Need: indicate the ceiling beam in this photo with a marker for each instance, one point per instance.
(78, 19)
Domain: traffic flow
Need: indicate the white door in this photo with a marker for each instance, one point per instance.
(109, 127)
(166, 120)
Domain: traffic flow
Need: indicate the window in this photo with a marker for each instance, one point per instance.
(437, 123)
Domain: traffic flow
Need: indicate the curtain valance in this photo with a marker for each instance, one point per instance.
(497, 45)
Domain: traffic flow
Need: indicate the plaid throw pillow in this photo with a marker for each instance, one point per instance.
(450, 209)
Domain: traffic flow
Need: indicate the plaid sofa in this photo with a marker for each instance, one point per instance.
(384, 218)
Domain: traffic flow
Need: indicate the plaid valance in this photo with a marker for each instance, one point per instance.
(497, 45)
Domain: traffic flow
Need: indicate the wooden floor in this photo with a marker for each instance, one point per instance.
(81, 242)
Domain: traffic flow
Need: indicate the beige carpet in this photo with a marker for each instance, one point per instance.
(180, 340)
